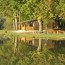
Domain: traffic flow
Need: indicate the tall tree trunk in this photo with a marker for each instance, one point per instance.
(40, 26)
(15, 23)
(19, 22)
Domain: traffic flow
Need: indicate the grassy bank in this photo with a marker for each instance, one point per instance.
(29, 35)
(41, 35)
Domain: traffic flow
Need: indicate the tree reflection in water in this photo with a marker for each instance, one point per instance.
(31, 51)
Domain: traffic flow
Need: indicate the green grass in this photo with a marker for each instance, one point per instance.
(41, 35)
(34, 35)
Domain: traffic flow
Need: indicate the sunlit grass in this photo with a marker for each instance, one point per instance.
(41, 35)
(29, 35)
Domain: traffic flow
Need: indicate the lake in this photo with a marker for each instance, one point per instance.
(31, 51)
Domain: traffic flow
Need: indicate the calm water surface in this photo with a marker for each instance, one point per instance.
(31, 51)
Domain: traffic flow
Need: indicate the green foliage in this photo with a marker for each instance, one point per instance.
(2, 21)
(32, 9)
(24, 54)
(8, 25)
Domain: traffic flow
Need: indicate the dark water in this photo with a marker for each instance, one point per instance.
(31, 51)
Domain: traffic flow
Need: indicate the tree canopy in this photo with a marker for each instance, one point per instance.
(32, 9)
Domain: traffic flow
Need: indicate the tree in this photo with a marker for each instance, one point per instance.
(32, 9)
(9, 9)
(2, 21)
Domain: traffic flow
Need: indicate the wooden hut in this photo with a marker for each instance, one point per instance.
(28, 25)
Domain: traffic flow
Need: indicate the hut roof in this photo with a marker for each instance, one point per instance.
(27, 22)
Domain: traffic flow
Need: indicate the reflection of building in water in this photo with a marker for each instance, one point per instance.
(39, 43)
(36, 42)
(58, 43)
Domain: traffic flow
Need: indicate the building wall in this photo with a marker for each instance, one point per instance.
(27, 28)
(35, 26)
(50, 25)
